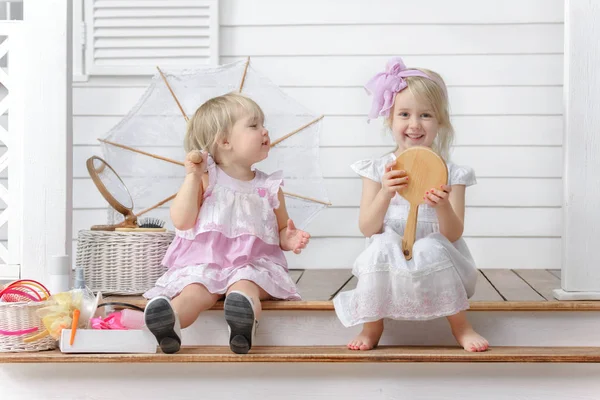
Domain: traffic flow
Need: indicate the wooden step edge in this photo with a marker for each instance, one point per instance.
(475, 305)
(326, 354)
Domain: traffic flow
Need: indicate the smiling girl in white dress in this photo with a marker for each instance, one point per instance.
(441, 276)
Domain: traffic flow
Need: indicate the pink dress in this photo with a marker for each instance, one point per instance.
(236, 237)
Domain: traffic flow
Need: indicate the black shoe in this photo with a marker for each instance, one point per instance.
(162, 321)
(239, 314)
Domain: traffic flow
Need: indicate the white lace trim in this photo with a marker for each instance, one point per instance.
(386, 267)
(397, 296)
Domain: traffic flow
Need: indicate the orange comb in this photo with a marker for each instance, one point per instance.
(74, 326)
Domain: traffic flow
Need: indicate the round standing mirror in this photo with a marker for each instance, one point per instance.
(113, 190)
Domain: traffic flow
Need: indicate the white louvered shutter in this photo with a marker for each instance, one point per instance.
(130, 37)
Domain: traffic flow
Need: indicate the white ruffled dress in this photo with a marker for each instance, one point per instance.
(436, 282)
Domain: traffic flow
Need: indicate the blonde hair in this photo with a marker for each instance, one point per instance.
(433, 92)
(214, 120)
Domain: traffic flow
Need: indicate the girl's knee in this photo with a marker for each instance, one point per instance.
(198, 291)
(429, 251)
(243, 286)
(194, 288)
(249, 288)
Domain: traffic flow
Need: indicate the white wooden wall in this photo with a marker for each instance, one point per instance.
(502, 61)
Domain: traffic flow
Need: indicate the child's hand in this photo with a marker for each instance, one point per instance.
(195, 163)
(393, 180)
(438, 197)
(294, 239)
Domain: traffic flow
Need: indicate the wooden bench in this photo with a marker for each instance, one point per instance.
(329, 354)
(497, 290)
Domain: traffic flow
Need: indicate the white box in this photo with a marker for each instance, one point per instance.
(108, 341)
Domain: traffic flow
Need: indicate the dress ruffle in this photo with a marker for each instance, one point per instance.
(272, 278)
(272, 184)
(389, 294)
(235, 208)
(368, 169)
(216, 248)
(436, 282)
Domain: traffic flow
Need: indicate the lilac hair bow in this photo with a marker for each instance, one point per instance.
(385, 85)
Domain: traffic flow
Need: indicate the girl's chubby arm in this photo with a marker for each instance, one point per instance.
(187, 203)
(290, 238)
(376, 198)
(449, 203)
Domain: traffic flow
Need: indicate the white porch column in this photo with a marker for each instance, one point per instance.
(47, 169)
(581, 204)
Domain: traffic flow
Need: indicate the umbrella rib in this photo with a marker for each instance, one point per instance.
(281, 139)
(141, 152)
(160, 203)
(180, 163)
(307, 198)
(172, 93)
(244, 75)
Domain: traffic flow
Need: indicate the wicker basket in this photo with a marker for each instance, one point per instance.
(123, 263)
(15, 317)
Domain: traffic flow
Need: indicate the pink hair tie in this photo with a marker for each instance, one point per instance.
(17, 293)
(18, 333)
(385, 85)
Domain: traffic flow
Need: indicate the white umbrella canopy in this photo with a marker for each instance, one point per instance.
(146, 147)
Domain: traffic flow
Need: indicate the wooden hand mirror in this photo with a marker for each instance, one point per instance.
(426, 170)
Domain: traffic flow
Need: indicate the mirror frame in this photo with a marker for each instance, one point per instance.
(130, 220)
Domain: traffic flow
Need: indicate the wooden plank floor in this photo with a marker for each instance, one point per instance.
(497, 290)
(325, 354)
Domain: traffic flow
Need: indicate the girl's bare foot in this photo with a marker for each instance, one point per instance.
(369, 337)
(465, 334)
